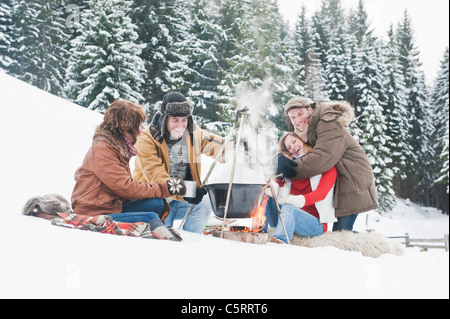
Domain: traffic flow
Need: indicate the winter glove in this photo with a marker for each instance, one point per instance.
(176, 186)
(295, 200)
(286, 167)
(159, 231)
(199, 193)
(275, 187)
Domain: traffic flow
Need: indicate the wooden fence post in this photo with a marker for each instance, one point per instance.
(407, 240)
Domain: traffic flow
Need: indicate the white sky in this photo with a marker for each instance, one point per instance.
(430, 22)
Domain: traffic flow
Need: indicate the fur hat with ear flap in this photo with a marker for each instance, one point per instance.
(174, 104)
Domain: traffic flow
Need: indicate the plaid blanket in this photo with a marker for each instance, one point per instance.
(102, 224)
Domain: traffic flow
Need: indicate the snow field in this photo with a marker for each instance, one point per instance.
(45, 138)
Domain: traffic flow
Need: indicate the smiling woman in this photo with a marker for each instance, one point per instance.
(293, 145)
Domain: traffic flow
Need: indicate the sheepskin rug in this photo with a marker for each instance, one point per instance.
(368, 244)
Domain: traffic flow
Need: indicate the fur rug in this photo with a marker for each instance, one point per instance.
(47, 204)
(368, 244)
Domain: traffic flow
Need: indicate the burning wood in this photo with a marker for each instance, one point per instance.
(246, 237)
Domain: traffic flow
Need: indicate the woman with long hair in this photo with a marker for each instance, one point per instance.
(104, 184)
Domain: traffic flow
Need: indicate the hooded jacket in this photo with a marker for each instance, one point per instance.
(152, 161)
(104, 182)
(333, 145)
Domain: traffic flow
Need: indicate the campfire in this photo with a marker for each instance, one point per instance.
(254, 234)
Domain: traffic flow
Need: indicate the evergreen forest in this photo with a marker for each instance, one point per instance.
(94, 52)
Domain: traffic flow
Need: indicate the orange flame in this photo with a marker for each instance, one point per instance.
(258, 215)
(259, 212)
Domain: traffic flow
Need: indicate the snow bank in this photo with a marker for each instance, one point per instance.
(44, 140)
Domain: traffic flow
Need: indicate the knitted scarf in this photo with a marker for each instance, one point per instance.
(131, 148)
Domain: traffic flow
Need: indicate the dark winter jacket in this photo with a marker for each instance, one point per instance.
(355, 190)
(104, 182)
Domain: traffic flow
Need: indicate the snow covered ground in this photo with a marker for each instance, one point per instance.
(44, 140)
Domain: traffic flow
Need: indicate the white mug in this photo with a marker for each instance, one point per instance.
(191, 187)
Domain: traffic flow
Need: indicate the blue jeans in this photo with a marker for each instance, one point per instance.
(295, 220)
(345, 223)
(197, 218)
(140, 210)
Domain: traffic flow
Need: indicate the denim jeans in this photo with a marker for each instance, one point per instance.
(295, 220)
(140, 210)
(345, 223)
(197, 218)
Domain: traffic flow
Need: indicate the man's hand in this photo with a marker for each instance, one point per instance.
(199, 193)
(286, 167)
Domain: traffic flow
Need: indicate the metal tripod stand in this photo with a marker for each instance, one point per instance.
(242, 117)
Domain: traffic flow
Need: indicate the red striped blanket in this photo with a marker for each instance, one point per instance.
(102, 224)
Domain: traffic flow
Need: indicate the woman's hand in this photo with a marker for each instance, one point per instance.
(275, 187)
(294, 200)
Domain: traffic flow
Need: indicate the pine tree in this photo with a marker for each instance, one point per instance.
(312, 81)
(315, 81)
(293, 62)
(369, 102)
(160, 26)
(25, 35)
(262, 31)
(321, 32)
(302, 42)
(105, 63)
(6, 56)
(203, 72)
(357, 33)
(326, 21)
(52, 54)
(229, 28)
(40, 40)
(283, 66)
(375, 143)
(253, 53)
(440, 101)
(265, 62)
(337, 63)
(231, 52)
(418, 171)
(395, 111)
(359, 25)
(332, 48)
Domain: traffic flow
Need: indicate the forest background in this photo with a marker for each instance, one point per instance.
(93, 52)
